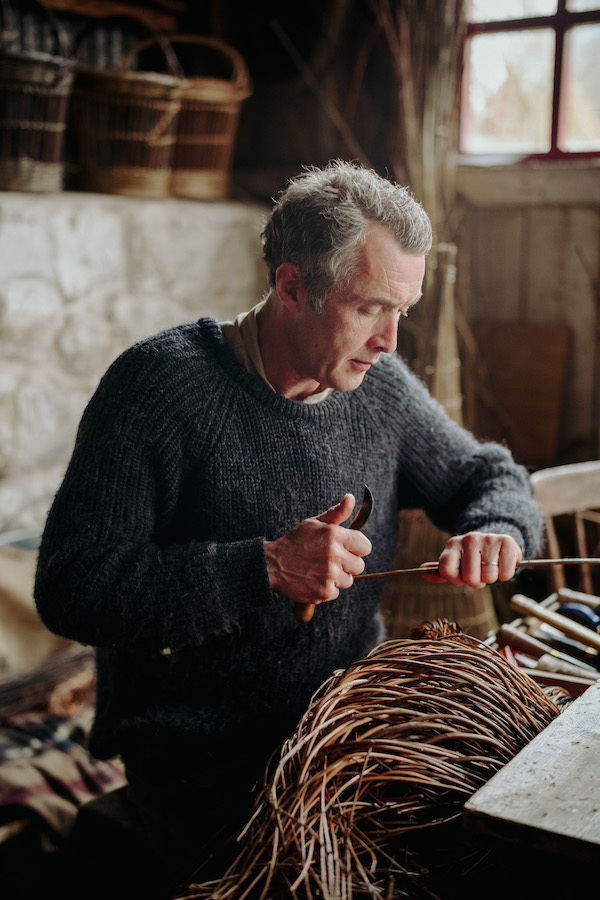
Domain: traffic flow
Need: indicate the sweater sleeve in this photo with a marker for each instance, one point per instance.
(462, 483)
(110, 572)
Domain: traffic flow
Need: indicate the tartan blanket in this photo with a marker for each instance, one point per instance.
(47, 696)
(47, 773)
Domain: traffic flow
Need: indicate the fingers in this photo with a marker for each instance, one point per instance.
(340, 560)
(344, 547)
(319, 557)
(356, 545)
(434, 578)
(477, 559)
(340, 512)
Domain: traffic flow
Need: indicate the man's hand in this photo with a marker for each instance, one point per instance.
(318, 558)
(477, 559)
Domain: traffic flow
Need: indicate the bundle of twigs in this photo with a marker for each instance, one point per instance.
(388, 748)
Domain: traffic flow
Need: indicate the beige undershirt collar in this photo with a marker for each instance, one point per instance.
(242, 337)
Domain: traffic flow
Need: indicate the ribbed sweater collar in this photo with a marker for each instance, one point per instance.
(215, 344)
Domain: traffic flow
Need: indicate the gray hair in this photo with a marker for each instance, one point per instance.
(322, 216)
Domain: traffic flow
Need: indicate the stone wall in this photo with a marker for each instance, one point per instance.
(83, 277)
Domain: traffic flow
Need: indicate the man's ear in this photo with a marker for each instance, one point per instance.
(290, 286)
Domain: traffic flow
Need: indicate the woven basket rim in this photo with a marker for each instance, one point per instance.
(213, 89)
(36, 56)
(42, 73)
(118, 76)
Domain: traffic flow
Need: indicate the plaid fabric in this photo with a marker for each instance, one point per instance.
(47, 773)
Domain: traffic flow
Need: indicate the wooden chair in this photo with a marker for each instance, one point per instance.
(571, 492)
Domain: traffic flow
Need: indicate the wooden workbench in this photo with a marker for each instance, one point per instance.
(547, 798)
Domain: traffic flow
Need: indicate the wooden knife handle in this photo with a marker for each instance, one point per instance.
(304, 611)
(507, 635)
(566, 595)
(549, 663)
(528, 607)
(525, 643)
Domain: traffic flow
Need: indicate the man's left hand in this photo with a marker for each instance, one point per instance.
(477, 559)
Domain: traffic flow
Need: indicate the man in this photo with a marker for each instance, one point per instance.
(209, 489)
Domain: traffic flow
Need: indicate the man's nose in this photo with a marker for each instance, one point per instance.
(386, 336)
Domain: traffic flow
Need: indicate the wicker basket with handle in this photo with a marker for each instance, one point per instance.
(35, 89)
(124, 125)
(209, 112)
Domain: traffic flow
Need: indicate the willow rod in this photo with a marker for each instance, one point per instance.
(431, 568)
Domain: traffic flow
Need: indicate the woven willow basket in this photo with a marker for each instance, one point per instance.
(124, 125)
(35, 89)
(207, 125)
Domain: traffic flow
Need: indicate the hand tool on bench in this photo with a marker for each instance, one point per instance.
(304, 611)
(559, 641)
(547, 658)
(567, 595)
(431, 568)
(528, 607)
(581, 613)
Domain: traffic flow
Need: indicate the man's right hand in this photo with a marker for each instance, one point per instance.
(317, 558)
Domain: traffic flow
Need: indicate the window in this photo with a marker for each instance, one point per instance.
(531, 79)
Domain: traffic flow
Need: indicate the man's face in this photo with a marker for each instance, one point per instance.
(336, 348)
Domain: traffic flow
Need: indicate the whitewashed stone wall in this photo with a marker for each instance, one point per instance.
(83, 276)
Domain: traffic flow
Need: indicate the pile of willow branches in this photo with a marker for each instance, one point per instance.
(388, 750)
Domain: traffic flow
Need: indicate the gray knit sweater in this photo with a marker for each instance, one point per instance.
(153, 548)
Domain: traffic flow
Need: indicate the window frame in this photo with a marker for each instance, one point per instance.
(560, 22)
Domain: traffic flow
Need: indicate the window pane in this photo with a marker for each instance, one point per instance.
(503, 10)
(507, 92)
(580, 107)
(582, 5)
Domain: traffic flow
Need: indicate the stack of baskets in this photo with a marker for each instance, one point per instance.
(150, 134)
(147, 131)
(122, 127)
(35, 89)
(207, 125)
